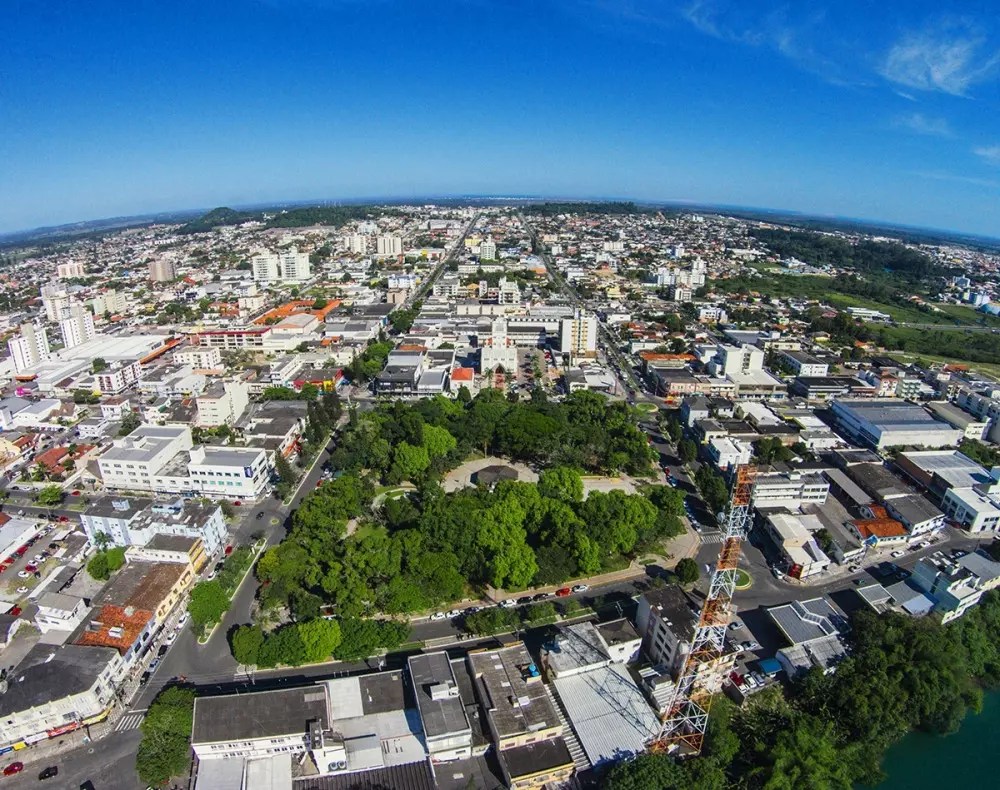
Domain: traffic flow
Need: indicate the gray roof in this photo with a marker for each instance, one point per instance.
(889, 414)
(441, 709)
(806, 621)
(536, 758)
(118, 507)
(608, 713)
(411, 776)
(675, 607)
(49, 673)
(913, 509)
(163, 542)
(264, 714)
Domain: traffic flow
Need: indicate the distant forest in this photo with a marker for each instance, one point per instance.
(867, 257)
(332, 216)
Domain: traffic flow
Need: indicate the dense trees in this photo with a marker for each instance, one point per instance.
(687, 571)
(430, 546)
(164, 751)
(402, 319)
(713, 488)
(770, 450)
(106, 562)
(585, 431)
(49, 496)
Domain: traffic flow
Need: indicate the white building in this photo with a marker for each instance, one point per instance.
(789, 489)
(55, 300)
(56, 689)
(119, 377)
(223, 403)
(793, 536)
(726, 453)
(203, 358)
(136, 521)
(285, 266)
(498, 350)
(487, 249)
(357, 243)
(162, 271)
(29, 347)
(508, 292)
(389, 244)
(578, 335)
(164, 459)
(77, 327)
(72, 269)
(109, 302)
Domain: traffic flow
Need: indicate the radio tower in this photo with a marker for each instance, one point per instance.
(685, 722)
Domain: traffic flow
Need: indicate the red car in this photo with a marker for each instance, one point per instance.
(63, 519)
(563, 592)
(237, 503)
(31, 568)
(15, 611)
(229, 550)
(13, 768)
(75, 493)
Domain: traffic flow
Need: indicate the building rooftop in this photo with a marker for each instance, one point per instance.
(802, 622)
(48, 672)
(113, 626)
(513, 693)
(676, 608)
(892, 414)
(536, 758)
(954, 468)
(141, 585)
(164, 542)
(438, 698)
(263, 714)
(608, 713)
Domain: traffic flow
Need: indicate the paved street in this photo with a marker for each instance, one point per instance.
(109, 764)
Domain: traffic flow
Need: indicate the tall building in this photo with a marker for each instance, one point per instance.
(109, 302)
(29, 348)
(578, 335)
(265, 266)
(162, 271)
(388, 244)
(294, 266)
(357, 243)
(78, 327)
(71, 269)
(487, 249)
(287, 266)
(55, 300)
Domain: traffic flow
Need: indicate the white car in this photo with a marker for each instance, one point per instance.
(579, 588)
(454, 612)
(170, 638)
(438, 616)
(896, 553)
(510, 603)
(23, 575)
(183, 619)
(22, 590)
(777, 574)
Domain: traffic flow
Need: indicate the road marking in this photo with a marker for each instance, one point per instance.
(130, 721)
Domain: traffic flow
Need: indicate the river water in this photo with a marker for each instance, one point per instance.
(963, 760)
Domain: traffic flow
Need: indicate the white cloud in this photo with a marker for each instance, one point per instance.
(950, 58)
(989, 153)
(918, 123)
(959, 179)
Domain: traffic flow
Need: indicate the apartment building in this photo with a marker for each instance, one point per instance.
(578, 335)
(29, 347)
(199, 358)
(222, 403)
(78, 327)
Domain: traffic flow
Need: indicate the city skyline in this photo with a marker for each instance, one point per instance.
(838, 112)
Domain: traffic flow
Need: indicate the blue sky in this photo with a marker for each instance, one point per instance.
(885, 110)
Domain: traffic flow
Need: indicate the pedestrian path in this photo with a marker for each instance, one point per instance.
(130, 720)
(711, 537)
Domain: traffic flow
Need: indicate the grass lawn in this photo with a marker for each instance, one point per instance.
(743, 579)
(648, 408)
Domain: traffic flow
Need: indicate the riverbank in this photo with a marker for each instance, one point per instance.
(963, 759)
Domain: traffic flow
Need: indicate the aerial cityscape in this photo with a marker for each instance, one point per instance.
(502, 463)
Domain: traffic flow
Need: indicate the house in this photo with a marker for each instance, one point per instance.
(793, 535)
(878, 529)
(814, 632)
(447, 730)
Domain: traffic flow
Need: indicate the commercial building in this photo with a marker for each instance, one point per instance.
(199, 357)
(69, 270)
(813, 629)
(955, 585)
(447, 731)
(971, 426)
(164, 459)
(525, 726)
(497, 350)
(881, 423)
(29, 347)
(794, 537)
(803, 364)
(790, 489)
(56, 689)
(222, 403)
(136, 521)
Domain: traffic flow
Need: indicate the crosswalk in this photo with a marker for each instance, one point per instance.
(130, 720)
(711, 537)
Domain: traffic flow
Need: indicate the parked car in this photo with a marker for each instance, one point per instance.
(897, 553)
(31, 567)
(523, 600)
(562, 592)
(183, 619)
(510, 603)
(13, 768)
(454, 612)
(777, 574)
(260, 515)
(162, 651)
(170, 639)
(153, 665)
(23, 574)
(438, 616)
(541, 596)
(579, 588)
(48, 773)
(22, 590)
